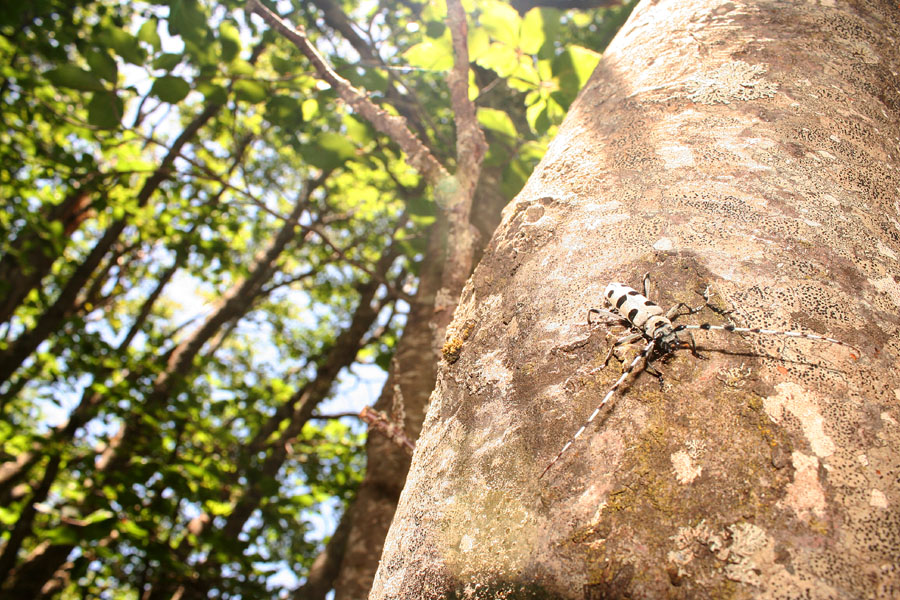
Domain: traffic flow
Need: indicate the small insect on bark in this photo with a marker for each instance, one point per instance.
(649, 322)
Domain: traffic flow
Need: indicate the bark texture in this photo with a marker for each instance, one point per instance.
(749, 146)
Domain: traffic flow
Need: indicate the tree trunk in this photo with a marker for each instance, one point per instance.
(412, 373)
(747, 146)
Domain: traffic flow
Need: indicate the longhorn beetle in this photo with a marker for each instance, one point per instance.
(648, 321)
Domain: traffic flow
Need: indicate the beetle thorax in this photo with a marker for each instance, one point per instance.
(661, 329)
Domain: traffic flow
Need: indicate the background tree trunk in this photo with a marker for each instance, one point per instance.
(750, 146)
(413, 373)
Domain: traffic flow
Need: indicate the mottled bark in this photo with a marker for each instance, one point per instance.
(750, 146)
(418, 352)
(413, 372)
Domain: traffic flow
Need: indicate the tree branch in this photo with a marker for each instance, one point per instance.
(420, 156)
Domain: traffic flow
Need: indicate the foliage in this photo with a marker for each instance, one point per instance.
(191, 224)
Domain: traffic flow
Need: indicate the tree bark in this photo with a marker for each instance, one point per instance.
(748, 146)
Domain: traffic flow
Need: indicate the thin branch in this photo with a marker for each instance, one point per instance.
(335, 416)
(408, 105)
(392, 430)
(393, 291)
(420, 156)
(289, 281)
(470, 142)
(457, 202)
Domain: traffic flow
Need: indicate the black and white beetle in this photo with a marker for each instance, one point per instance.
(649, 322)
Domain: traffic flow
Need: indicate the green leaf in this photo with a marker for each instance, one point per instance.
(497, 121)
(432, 55)
(170, 88)
(283, 65)
(8, 516)
(358, 131)
(536, 115)
(479, 43)
(70, 76)
(97, 516)
(217, 508)
(195, 471)
(532, 152)
(284, 111)
(102, 65)
(584, 61)
(435, 29)
(310, 108)
(187, 20)
(525, 77)
(513, 179)
(149, 34)
(502, 21)
(250, 91)
(242, 67)
(167, 61)
(501, 59)
(532, 34)
(61, 535)
(421, 206)
(230, 40)
(336, 144)
(328, 151)
(213, 93)
(105, 110)
(133, 529)
(122, 43)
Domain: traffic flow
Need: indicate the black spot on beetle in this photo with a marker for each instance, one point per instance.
(632, 314)
(632, 293)
(621, 301)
